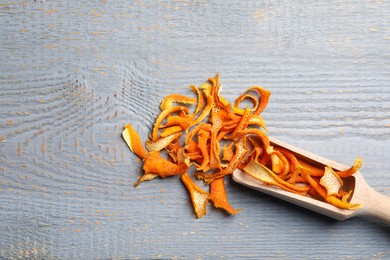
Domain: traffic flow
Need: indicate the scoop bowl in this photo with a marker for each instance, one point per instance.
(374, 203)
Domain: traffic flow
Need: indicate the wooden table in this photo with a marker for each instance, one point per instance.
(72, 74)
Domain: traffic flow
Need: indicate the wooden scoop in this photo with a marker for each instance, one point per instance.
(374, 203)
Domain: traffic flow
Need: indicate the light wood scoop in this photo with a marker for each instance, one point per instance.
(374, 203)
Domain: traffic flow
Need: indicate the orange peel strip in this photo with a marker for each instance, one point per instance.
(222, 134)
(162, 116)
(219, 197)
(354, 168)
(230, 125)
(331, 181)
(241, 125)
(290, 156)
(192, 147)
(257, 120)
(207, 109)
(183, 121)
(314, 171)
(217, 122)
(170, 131)
(244, 96)
(264, 98)
(342, 204)
(262, 173)
(203, 137)
(216, 88)
(200, 102)
(240, 152)
(161, 143)
(172, 149)
(146, 177)
(168, 101)
(133, 141)
(190, 136)
(263, 137)
(154, 163)
(228, 152)
(346, 196)
(257, 149)
(199, 197)
(280, 164)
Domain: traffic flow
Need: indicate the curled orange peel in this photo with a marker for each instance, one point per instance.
(183, 121)
(280, 164)
(311, 169)
(262, 136)
(293, 162)
(342, 204)
(146, 177)
(203, 138)
(170, 131)
(264, 98)
(206, 110)
(216, 88)
(199, 197)
(262, 173)
(133, 141)
(241, 98)
(200, 99)
(240, 152)
(169, 100)
(219, 197)
(228, 152)
(354, 168)
(154, 163)
(257, 149)
(258, 121)
(331, 181)
(161, 143)
(165, 113)
(242, 125)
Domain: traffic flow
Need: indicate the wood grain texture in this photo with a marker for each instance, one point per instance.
(71, 76)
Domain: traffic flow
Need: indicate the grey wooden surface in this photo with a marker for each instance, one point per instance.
(73, 73)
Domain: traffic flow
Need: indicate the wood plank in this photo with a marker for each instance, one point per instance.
(73, 75)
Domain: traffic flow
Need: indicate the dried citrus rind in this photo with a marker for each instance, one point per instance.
(169, 100)
(240, 152)
(262, 173)
(154, 163)
(161, 143)
(219, 197)
(354, 168)
(228, 152)
(342, 204)
(170, 131)
(331, 181)
(165, 113)
(146, 177)
(133, 141)
(249, 97)
(199, 197)
(203, 138)
(217, 137)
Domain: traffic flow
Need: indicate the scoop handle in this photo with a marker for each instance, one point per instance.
(377, 205)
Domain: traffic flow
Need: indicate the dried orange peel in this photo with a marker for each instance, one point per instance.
(216, 137)
(198, 196)
(219, 197)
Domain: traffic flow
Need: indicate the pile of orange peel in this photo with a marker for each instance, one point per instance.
(217, 137)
